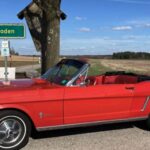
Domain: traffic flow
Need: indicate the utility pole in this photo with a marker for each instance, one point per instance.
(43, 19)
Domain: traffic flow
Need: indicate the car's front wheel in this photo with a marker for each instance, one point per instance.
(15, 129)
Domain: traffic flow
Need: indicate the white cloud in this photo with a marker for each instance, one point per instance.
(85, 29)
(80, 18)
(93, 46)
(144, 24)
(147, 25)
(122, 28)
(132, 37)
(139, 23)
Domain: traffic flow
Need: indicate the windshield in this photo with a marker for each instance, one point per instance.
(64, 71)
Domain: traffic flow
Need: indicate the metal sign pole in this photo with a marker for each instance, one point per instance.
(5, 52)
(6, 69)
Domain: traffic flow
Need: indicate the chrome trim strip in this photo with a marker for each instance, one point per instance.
(145, 104)
(86, 124)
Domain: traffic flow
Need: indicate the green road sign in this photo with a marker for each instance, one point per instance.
(11, 31)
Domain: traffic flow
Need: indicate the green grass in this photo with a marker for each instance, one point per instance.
(97, 69)
(38, 70)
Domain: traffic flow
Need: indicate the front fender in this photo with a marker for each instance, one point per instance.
(20, 108)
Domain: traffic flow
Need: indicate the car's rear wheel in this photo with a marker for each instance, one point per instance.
(15, 129)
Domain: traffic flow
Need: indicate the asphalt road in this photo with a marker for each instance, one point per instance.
(126, 136)
(28, 68)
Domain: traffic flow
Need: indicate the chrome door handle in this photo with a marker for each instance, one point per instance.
(129, 88)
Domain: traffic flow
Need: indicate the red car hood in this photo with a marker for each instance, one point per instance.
(23, 90)
(25, 84)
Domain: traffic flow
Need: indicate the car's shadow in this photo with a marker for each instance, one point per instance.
(83, 130)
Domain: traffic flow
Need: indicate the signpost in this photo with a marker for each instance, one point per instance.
(9, 31)
(5, 52)
(5, 49)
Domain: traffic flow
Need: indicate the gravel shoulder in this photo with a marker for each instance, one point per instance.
(107, 137)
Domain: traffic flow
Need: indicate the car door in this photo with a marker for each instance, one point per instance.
(97, 103)
(48, 108)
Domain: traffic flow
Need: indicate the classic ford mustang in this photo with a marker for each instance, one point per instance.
(65, 96)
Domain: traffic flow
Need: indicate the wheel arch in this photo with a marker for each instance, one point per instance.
(23, 112)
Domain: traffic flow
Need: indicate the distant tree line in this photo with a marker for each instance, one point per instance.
(131, 55)
(13, 52)
(87, 56)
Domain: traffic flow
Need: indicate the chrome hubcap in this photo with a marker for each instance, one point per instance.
(10, 131)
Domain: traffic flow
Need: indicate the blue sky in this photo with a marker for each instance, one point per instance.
(92, 27)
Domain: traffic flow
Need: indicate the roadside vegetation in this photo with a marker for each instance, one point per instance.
(98, 66)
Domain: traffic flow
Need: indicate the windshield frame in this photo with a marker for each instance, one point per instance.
(83, 69)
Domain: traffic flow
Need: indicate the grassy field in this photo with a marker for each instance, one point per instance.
(135, 66)
(99, 66)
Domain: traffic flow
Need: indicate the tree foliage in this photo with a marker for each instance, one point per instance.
(131, 55)
(13, 52)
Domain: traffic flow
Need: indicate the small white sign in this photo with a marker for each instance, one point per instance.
(5, 48)
(5, 52)
(5, 44)
(11, 73)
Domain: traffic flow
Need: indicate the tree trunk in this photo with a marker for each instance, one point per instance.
(50, 45)
(43, 19)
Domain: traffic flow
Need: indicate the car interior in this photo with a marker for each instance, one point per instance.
(116, 78)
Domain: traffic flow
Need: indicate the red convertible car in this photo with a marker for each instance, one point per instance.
(65, 96)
